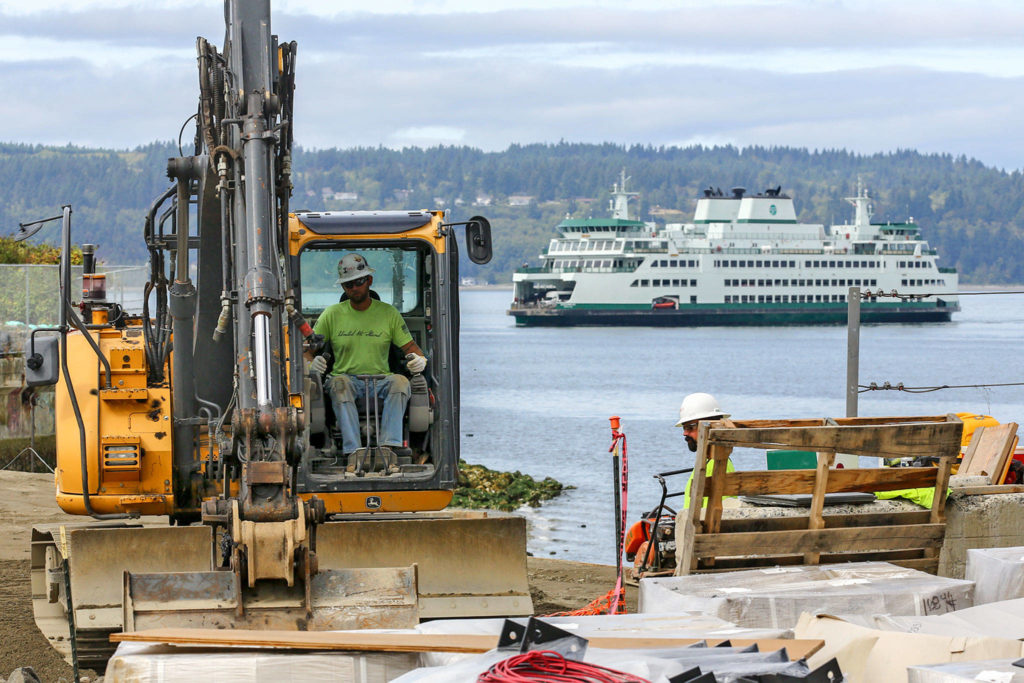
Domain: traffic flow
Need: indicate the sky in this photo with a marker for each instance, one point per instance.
(869, 76)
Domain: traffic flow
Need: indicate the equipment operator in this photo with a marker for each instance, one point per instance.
(694, 409)
(361, 330)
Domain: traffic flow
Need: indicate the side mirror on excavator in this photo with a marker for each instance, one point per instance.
(42, 361)
(478, 239)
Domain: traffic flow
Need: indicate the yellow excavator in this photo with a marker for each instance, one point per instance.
(202, 410)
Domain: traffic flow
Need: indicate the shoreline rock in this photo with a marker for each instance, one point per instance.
(483, 488)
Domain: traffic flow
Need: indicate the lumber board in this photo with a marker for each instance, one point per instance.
(989, 451)
(831, 521)
(819, 540)
(940, 439)
(737, 564)
(826, 558)
(866, 480)
(376, 641)
(989, 490)
(849, 421)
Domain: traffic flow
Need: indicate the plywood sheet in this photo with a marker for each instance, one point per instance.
(371, 641)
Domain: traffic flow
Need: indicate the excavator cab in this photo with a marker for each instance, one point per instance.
(411, 253)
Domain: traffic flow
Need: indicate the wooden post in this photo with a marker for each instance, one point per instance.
(815, 518)
(685, 560)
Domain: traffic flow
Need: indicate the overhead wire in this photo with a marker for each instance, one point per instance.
(886, 386)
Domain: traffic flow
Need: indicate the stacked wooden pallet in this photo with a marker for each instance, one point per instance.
(709, 543)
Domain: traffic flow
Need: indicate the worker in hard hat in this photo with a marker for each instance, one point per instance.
(694, 409)
(361, 330)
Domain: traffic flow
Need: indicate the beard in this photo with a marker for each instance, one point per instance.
(691, 443)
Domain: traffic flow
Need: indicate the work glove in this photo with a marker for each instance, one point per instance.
(318, 365)
(415, 363)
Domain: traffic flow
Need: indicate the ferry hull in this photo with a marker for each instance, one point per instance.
(730, 315)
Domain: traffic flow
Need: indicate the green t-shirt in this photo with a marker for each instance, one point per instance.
(361, 339)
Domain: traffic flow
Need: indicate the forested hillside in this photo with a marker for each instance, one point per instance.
(973, 214)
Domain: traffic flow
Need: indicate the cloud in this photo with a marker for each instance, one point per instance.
(869, 76)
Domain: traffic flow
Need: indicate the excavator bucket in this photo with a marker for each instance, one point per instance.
(471, 564)
(336, 600)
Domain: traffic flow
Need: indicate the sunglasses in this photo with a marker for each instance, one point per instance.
(355, 283)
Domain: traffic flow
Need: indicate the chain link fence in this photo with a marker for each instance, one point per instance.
(30, 294)
(30, 298)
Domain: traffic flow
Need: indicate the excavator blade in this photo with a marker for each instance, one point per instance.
(337, 600)
(97, 557)
(471, 564)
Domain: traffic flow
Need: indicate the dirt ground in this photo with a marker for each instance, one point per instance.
(27, 499)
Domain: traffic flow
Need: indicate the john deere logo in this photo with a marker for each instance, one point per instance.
(373, 502)
(771, 209)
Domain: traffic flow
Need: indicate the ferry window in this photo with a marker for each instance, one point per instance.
(760, 298)
(807, 264)
(874, 282)
(645, 283)
(903, 283)
(732, 264)
(760, 283)
(693, 283)
(831, 264)
(633, 283)
(785, 283)
(693, 299)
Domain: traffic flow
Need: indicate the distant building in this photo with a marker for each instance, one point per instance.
(439, 202)
(326, 192)
(460, 201)
(483, 200)
(403, 195)
(520, 199)
(346, 196)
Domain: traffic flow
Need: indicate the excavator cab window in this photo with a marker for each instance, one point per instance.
(396, 277)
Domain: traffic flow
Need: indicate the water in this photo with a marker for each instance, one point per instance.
(538, 400)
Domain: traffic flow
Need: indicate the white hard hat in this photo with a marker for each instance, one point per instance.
(699, 407)
(352, 266)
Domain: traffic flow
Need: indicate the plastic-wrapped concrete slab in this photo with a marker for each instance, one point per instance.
(991, 670)
(1003, 619)
(998, 573)
(148, 663)
(775, 598)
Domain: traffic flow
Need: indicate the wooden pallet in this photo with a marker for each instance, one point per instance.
(707, 543)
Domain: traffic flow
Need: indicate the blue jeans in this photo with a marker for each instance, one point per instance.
(392, 391)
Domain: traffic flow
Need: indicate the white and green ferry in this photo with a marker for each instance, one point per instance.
(744, 260)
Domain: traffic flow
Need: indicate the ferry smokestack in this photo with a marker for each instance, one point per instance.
(738, 192)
